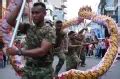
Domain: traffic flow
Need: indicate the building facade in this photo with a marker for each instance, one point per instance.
(110, 8)
(55, 9)
(58, 10)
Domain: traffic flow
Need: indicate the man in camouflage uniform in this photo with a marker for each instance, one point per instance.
(39, 41)
(82, 49)
(58, 46)
(84, 43)
(72, 59)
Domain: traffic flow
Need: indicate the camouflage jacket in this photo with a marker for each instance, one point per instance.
(71, 50)
(59, 41)
(34, 37)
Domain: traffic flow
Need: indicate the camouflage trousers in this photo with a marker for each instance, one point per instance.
(72, 61)
(61, 57)
(83, 57)
(38, 73)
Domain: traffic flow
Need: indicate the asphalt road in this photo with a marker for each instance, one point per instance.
(113, 72)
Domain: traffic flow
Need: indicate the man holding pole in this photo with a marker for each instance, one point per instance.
(60, 36)
(39, 41)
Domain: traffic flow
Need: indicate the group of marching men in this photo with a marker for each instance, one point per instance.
(71, 47)
(74, 47)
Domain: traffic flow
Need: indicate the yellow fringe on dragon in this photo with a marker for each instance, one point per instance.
(107, 60)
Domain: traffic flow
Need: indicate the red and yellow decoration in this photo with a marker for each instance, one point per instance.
(106, 62)
(84, 13)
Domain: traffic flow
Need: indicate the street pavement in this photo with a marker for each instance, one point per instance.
(112, 73)
(8, 73)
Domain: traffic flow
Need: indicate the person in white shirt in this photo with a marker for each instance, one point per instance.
(103, 47)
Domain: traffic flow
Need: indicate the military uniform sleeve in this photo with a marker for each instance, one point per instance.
(50, 35)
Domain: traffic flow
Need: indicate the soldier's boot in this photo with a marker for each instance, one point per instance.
(83, 64)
